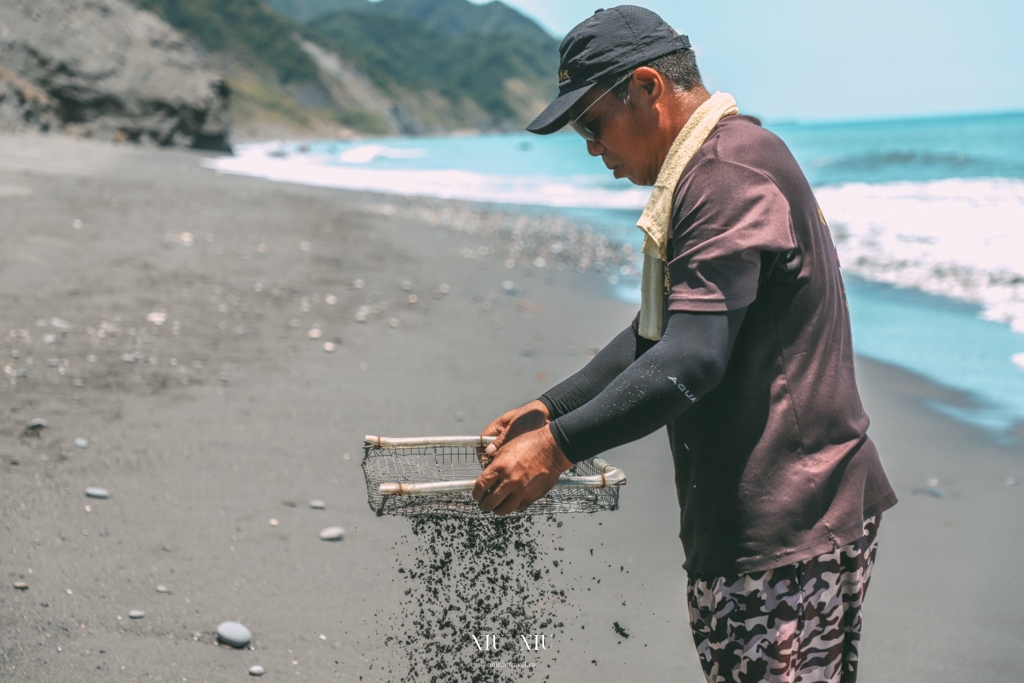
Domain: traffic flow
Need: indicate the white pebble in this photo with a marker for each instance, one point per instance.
(162, 589)
(21, 585)
(234, 634)
(329, 347)
(97, 492)
(273, 522)
(330, 299)
(444, 289)
(81, 442)
(256, 670)
(393, 322)
(358, 284)
(136, 614)
(317, 504)
(1011, 481)
(332, 533)
(315, 333)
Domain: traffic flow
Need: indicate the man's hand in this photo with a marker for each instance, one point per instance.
(499, 427)
(523, 470)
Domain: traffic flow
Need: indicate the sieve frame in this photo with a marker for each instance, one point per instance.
(606, 476)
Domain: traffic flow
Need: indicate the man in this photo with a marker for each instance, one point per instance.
(742, 348)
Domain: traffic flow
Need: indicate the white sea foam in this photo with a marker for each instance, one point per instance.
(364, 154)
(535, 190)
(957, 238)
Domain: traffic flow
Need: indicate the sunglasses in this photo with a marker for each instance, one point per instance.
(591, 131)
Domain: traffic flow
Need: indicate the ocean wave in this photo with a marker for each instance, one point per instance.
(534, 190)
(957, 238)
(364, 154)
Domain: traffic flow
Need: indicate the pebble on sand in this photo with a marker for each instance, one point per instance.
(329, 347)
(136, 614)
(317, 504)
(273, 522)
(393, 322)
(21, 585)
(256, 670)
(332, 533)
(234, 634)
(162, 589)
(1011, 481)
(97, 492)
(36, 424)
(81, 442)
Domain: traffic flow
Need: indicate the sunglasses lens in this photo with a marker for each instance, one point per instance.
(583, 131)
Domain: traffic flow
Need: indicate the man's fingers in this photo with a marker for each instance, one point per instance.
(499, 440)
(485, 482)
(522, 506)
(495, 498)
(510, 504)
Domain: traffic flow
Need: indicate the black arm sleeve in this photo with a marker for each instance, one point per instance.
(688, 362)
(618, 355)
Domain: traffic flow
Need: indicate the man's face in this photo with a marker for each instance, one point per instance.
(622, 143)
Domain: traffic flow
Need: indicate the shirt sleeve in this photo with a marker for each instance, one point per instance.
(724, 216)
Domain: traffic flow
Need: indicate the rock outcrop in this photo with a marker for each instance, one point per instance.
(104, 69)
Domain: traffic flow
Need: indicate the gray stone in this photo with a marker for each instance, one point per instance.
(256, 670)
(136, 614)
(332, 533)
(317, 504)
(234, 634)
(106, 70)
(36, 424)
(97, 492)
(81, 442)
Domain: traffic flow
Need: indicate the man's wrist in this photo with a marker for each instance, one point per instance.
(558, 457)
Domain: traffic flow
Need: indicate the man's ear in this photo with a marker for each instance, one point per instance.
(651, 82)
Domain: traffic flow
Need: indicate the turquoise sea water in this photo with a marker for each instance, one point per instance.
(979, 159)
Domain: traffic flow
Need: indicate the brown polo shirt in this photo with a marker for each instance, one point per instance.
(774, 465)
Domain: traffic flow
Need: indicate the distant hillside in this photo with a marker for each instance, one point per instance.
(404, 53)
(395, 66)
(447, 17)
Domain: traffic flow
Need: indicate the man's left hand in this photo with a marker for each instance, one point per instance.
(523, 470)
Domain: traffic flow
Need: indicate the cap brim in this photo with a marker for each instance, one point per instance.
(556, 115)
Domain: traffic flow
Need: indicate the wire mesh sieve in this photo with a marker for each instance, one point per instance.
(435, 476)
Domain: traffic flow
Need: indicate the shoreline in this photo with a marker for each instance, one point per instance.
(197, 469)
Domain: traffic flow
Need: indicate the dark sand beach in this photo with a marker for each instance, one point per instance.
(228, 414)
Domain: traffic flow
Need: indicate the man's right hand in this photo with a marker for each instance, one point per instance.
(499, 428)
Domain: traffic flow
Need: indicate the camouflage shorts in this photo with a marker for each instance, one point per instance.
(794, 624)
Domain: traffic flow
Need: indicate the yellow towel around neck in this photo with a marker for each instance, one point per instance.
(656, 220)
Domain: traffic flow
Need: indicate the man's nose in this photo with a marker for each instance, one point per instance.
(595, 148)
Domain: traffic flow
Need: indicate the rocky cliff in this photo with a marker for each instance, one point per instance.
(105, 69)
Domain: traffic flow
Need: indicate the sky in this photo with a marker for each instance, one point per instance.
(812, 60)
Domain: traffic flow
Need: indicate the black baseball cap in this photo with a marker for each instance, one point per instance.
(608, 43)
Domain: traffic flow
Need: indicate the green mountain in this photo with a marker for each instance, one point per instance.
(447, 17)
(405, 53)
(395, 66)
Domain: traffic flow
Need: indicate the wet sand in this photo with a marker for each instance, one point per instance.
(231, 415)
